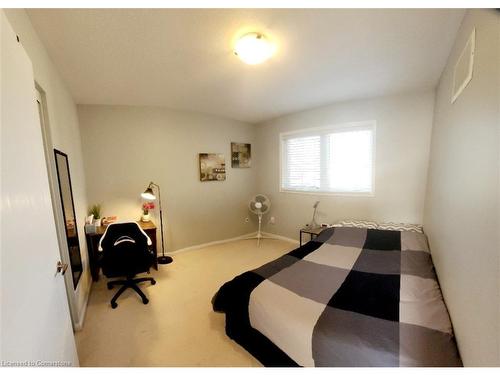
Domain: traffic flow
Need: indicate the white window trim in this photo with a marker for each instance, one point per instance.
(372, 124)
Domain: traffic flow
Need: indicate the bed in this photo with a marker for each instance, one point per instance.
(351, 297)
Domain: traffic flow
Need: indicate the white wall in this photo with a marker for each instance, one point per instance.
(402, 149)
(126, 147)
(462, 210)
(65, 133)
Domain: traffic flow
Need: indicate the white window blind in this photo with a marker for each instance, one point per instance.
(333, 159)
(303, 163)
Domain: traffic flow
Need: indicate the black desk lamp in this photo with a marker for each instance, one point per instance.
(149, 194)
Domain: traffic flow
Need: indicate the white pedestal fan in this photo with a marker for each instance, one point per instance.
(259, 205)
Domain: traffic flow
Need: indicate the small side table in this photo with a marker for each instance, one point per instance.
(312, 232)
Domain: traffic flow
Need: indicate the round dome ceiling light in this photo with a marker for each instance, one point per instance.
(254, 48)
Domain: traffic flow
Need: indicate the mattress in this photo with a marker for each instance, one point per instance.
(351, 297)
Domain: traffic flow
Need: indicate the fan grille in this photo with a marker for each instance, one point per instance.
(263, 200)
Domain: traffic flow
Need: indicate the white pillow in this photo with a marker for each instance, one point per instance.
(357, 224)
(417, 228)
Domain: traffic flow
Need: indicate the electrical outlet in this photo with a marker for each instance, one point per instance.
(272, 220)
(247, 220)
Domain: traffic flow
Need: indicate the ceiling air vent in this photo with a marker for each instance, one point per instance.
(463, 68)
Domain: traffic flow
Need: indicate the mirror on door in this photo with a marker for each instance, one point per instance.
(68, 208)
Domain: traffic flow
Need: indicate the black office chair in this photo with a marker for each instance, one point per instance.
(126, 253)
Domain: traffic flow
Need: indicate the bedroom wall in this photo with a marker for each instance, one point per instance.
(65, 133)
(402, 152)
(462, 208)
(125, 147)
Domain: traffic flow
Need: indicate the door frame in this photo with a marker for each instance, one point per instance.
(57, 208)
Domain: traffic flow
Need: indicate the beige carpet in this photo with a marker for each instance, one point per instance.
(178, 326)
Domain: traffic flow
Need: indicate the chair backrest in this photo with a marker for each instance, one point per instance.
(125, 250)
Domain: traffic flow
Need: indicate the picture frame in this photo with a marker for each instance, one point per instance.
(212, 167)
(241, 155)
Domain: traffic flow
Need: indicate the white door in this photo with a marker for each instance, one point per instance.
(35, 319)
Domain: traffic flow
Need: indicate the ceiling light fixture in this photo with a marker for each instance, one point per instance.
(254, 48)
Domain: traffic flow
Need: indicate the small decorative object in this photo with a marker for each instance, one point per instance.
(146, 206)
(96, 211)
(90, 228)
(212, 167)
(108, 220)
(313, 224)
(241, 155)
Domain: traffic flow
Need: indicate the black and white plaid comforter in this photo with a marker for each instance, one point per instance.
(351, 297)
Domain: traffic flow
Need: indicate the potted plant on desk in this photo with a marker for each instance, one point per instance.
(96, 211)
(146, 206)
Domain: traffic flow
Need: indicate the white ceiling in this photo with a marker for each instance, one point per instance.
(183, 58)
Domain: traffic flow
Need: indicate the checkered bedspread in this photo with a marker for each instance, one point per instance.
(351, 297)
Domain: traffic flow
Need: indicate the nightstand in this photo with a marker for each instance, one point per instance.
(312, 232)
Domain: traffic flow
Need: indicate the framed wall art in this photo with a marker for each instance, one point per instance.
(212, 167)
(241, 155)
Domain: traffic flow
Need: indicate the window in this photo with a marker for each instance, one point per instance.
(335, 159)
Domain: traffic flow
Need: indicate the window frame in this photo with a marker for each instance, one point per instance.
(283, 136)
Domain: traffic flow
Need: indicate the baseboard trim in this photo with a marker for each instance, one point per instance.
(206, 244)
(278, 237)
(83, 309)
(242, 237)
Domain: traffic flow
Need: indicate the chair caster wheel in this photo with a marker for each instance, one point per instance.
(145, 301)
(153, 282)
(110, 286)
(114, 305)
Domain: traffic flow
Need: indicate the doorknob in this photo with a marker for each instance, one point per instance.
(61, 267)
